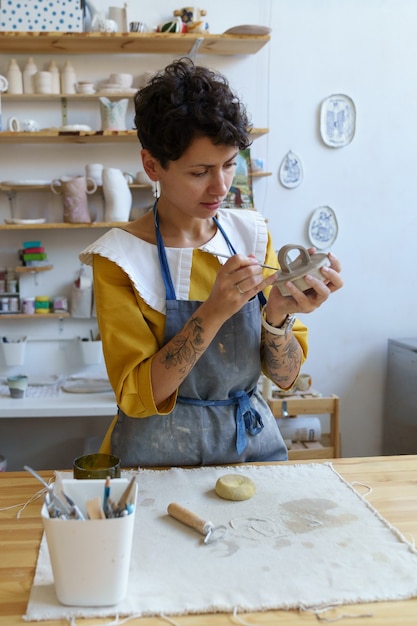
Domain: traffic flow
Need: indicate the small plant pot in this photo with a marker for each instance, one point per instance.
(91, 352)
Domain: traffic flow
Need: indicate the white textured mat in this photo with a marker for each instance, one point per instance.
(306, 539)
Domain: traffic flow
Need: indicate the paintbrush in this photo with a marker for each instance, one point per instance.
(94, 508)
(127, 496)
(227, 256)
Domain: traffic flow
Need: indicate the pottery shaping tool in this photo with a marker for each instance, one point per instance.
(229, 256)
(127, 496)
(211, 533)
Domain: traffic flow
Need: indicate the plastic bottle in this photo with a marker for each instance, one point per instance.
(29, 72)
(68, 78)
(14, 77)
(56, 83)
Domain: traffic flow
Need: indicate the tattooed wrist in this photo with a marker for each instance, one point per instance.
(282, 358)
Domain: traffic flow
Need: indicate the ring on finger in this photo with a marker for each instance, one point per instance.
(238, 287)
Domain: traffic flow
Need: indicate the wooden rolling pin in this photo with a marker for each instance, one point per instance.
(189, 518)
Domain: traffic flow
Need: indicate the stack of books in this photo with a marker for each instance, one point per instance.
(33, 254)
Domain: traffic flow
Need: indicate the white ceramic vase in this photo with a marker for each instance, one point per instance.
(117, 196)
(29, 72)
(113, 113)
(14, 77)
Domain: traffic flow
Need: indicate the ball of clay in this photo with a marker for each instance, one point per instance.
(235, 487)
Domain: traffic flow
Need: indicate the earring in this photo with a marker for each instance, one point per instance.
(156, 190)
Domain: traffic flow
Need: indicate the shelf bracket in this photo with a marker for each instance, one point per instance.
(61, 326)
(11, 196)
(194, 50)
(64, 111)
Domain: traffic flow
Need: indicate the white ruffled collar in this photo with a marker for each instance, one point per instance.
(245, 229)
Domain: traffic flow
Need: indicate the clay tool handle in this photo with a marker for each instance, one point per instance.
(189, 518)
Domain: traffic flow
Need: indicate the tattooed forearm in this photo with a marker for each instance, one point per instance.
(282, 357)
(183, 350)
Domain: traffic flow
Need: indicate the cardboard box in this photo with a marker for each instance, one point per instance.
(42, 15)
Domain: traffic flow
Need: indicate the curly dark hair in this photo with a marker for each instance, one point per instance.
(184, 101)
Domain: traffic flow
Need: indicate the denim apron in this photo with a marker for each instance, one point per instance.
(219, 417)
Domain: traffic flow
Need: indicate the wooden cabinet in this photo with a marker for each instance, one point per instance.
(329, 446)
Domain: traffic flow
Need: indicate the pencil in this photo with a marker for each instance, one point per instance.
(106, 493)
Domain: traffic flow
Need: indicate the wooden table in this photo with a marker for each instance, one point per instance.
(394, 494)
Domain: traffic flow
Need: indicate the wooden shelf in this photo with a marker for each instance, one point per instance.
(261, 174)
(57, 136)
(128, 43)
(50, 97)
(84, 136)
(14, 316)
(60, 226)
(22, 269)
(17, 187)
(329, 446)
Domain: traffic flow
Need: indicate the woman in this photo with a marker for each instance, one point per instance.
(184, 332)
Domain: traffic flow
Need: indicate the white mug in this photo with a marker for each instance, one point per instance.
(142, 178)
(303, 382)
(85, 87)
(13, 124)
(129, 178)
(43, 82)
(95, 172)
(122, 79)
(4, 83)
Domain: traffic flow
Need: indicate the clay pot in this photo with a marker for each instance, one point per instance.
(295, 271)
(74, 192)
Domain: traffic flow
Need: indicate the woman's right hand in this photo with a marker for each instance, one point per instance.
(239, 280)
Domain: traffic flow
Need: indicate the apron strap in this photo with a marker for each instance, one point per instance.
(261, 296)
(163, 261)
(226, 238)
(248, 420)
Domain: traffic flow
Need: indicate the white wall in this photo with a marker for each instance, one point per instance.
(365, 50)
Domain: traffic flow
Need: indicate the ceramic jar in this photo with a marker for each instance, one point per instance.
(117, 196)
(43, 82)
(113, 113)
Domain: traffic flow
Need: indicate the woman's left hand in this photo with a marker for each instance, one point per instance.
(306, 301)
